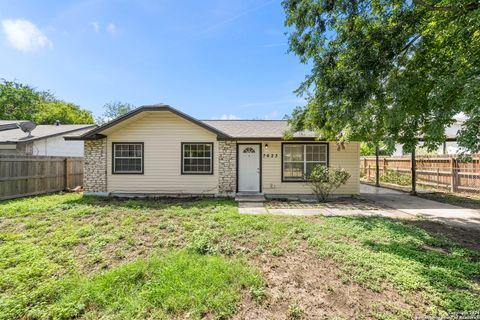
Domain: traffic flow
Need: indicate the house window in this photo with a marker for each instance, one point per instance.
(197, 158)
(127, 157)
(299, 159)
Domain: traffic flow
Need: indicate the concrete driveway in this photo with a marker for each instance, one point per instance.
(433, 210)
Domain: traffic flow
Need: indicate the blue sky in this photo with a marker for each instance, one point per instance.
(210, 59)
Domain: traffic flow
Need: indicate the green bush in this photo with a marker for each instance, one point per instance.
(395, 177)
(324, 180)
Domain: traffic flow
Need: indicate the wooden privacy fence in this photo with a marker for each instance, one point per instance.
(445, 173)
(30, 175)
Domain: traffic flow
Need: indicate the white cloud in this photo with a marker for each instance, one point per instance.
(24, 36)
(111, 28)
(226, 117)
(95, 26)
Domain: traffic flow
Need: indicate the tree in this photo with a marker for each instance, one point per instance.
(23, 102)
(18, 101)
(324, 180)
(387, 70)
(114, 110)
(367, 149)
(66, 113)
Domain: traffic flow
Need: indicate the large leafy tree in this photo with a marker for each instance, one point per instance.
(388, 70)
(23, 102)
(114, 109)
(66, 113)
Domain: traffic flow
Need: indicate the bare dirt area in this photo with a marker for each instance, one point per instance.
(469, 238)
(301, 285)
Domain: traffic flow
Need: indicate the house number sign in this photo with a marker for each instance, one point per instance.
(270, 155)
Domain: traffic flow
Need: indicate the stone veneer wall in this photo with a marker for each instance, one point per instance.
(95, 166)
(227, 167)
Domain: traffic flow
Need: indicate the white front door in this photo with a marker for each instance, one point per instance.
(249, 168)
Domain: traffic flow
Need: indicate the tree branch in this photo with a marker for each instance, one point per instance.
(409, 44)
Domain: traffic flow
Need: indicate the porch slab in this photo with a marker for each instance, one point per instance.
(251, 208)
(250, 197)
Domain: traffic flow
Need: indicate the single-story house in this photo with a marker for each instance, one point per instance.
(157, 150)
(43, 140)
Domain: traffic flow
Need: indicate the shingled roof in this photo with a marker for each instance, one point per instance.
(41, 132)
(255, 128)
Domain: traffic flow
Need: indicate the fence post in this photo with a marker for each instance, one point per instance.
(454, 175)
(67, 173)
(368, 176)
(377, 166)
(413, 163)
(365, 166)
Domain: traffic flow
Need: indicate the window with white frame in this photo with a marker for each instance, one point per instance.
(299, 159)
(127, 157)
(197, 158)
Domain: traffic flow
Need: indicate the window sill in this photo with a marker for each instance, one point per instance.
(127, 173)
(197, 173)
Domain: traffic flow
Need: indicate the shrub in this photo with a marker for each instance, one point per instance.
(395, 177)
(324, 180)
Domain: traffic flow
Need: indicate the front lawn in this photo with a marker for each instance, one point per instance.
(71, 256)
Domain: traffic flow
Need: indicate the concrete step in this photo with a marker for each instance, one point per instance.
(250, 197)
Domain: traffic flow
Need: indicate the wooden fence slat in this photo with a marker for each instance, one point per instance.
(440, 172)
(22, 176)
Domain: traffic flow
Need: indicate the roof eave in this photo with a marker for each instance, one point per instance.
(272, 139)
(80, 138)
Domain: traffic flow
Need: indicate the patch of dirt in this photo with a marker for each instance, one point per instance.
(426, 248)
(469, 238)
(143, 238)
(315, 285)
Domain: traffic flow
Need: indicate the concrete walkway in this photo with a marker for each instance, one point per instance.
(349, 208)
(386, 203)
(433, 210)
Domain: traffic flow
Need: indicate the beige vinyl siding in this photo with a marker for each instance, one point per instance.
(349, 159)
(162, 134)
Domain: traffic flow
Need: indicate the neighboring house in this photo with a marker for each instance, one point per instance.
(448, 147)
(158, 150)
(44, 140)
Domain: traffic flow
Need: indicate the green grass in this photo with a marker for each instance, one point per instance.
(174, 283)
(69, 256)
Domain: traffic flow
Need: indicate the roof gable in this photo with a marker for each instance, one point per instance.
(270, 129)
(97, 132)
